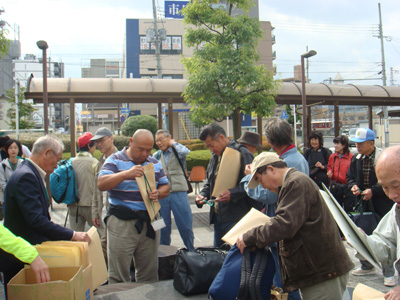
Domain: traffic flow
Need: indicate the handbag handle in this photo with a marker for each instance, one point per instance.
(177, 156)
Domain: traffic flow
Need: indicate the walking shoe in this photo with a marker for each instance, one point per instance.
(361, 272)
(389, 281)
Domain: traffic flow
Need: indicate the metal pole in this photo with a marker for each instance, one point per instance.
(385, 108)
(45, 96)
(43, 46)
(16, 91)
(304, 105)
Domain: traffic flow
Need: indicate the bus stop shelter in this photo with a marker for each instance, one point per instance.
(169, 91)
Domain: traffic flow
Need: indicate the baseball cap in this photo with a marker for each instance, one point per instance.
(84, 139)
(100, 133)
(362, 135)
(263, 159)
(250, 138)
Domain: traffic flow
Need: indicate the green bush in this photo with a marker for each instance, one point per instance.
(198, 158)
(121, 141)
(139, 122)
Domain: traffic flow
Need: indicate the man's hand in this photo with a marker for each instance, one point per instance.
(171, 142)
(247, 170)
(330, 174)
(394, 294)
(240, 243)
(224, 197)
(81, 237)
(367, 194)
(199, 199)
(135, 171)
(154, 195)
(355, 190)
(319, 165)
(41, 270)
(96, 222)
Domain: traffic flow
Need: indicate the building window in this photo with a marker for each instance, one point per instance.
(171, 45)
(164, 76)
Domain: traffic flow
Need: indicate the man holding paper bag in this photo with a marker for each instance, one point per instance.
(312, 256)
(229, 203)
(135, 182)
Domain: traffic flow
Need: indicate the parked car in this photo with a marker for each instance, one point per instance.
(352, 134)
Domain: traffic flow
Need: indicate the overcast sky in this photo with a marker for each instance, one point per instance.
(341, 31)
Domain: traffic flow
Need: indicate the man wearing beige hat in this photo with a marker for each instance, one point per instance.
(304, 229)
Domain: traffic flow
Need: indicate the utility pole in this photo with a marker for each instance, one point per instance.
(385, 108)
(157, 42)
(16, 91)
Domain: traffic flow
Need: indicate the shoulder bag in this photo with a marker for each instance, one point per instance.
(190, 188)
(194, 271)
(367, 221)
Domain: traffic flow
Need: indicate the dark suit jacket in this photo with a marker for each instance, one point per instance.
(27, 208)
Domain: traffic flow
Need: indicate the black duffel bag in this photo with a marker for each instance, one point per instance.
(194, 271)
(367, 221)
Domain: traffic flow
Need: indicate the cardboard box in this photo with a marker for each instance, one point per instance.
(66, 283)
(94, 256)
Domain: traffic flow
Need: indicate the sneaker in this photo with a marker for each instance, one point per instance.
(361, 272)
(389, 281)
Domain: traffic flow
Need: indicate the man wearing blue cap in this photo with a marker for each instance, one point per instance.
(361, 178)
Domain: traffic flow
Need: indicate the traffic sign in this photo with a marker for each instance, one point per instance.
(284, 115)
(125, 110)
(123, 119)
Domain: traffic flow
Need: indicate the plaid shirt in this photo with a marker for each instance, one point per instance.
(368, 167)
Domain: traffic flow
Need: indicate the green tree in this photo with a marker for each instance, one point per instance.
(139, 122)
(224, 78)
(4, 42)
(25, 110)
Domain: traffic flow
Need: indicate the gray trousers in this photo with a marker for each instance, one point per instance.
(84, 215)
(125, 243)
(332, 289)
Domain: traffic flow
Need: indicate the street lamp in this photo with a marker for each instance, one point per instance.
(303, 97)
(43, 46)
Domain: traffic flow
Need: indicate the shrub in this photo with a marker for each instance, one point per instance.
(198, 158)
(139, 122)
(121, 141)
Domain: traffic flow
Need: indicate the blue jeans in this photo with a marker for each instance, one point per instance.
(277, 277)
(178, 203)
(220, 229)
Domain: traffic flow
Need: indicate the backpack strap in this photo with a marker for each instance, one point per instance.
(243, 293)
(263, 253)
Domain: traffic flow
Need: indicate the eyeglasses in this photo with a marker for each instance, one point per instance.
(160, 139)
(56, 155)
(101, 140)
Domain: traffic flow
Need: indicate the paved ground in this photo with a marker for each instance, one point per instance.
(203, 233)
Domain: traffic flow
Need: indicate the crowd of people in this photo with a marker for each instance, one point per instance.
(284, 184)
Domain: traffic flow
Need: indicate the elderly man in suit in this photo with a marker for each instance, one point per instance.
(27, 201)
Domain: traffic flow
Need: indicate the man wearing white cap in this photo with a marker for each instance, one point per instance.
(304, 229)
(361, 178)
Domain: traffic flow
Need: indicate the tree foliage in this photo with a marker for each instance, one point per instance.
(224, 77)
(134, 123)
(4, 42)
(25, 110)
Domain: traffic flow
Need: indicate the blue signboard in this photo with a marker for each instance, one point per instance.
(134, 113)
(284, 115)
(125, 110)
(172, 9)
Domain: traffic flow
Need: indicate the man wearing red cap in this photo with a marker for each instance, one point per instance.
(85, 169)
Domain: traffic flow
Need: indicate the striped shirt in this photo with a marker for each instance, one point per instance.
(127, 193)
